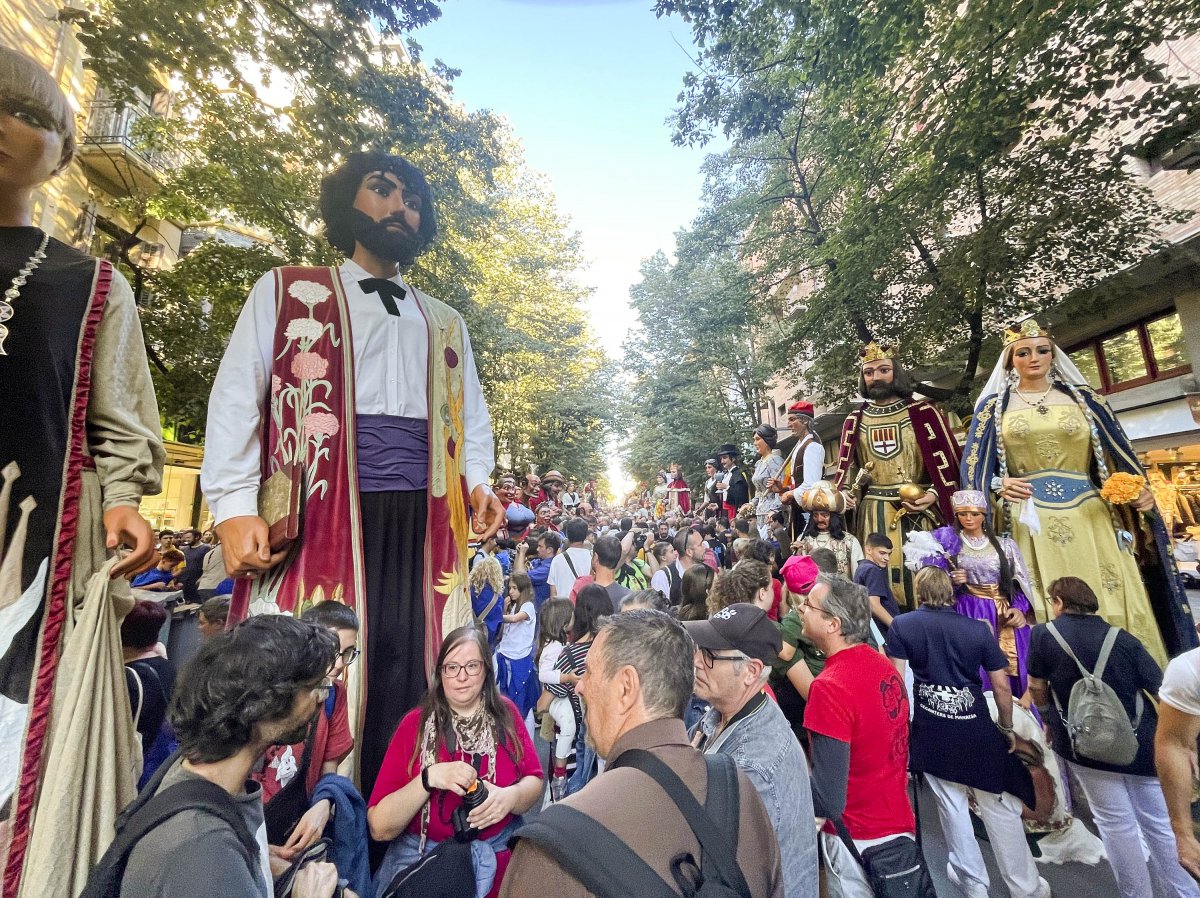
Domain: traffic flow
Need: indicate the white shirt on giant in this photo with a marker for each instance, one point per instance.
(810, 466)
(391, 355)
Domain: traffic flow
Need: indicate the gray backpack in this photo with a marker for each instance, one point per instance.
(1096, 721)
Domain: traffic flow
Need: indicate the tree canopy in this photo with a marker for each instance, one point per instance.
(698, 374)
(264, 101)
(925, 172)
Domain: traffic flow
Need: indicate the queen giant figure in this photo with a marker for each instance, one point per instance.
(1044, 443)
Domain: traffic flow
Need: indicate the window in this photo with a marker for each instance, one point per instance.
(1150, 350)
(1166, 342)
(1124, 358)
(1085, 361)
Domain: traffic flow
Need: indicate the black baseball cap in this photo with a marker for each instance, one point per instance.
(741, 627)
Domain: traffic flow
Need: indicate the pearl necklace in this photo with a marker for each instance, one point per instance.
(14, 289)
(976, 542)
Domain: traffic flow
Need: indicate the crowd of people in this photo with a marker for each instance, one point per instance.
(418, 677)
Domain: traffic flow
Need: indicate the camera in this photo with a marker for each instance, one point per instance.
(639, 539)
(507, 545)
(476, 795)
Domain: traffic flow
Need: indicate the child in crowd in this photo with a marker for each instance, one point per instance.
(556, 626)
(212, 617)
(328, 742)
(161, 577)
(872, 574)
(514, 655)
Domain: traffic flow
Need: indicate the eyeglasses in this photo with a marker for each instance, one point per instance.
(453, 669)
(711, 658)
(811, 607)
(350, 655)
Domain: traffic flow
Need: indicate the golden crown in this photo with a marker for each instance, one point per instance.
(877, 352)
(1025, 330)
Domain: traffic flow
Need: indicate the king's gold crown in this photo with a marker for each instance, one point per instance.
(1026, 330)
(877, 352)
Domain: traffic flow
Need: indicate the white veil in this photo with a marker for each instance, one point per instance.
(1064, 368)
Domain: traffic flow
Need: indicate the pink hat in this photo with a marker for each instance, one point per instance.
(800, 574)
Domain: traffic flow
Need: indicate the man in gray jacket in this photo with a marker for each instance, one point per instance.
(734, 649)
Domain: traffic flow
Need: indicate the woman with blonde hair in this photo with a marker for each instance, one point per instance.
(486, 585)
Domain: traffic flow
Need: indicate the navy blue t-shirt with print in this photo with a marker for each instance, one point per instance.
(875, 579)
(943, 647)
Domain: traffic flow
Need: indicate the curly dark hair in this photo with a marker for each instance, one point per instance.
(339, 187)
(243, 677)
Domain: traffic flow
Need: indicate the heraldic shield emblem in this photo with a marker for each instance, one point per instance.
(885, 440)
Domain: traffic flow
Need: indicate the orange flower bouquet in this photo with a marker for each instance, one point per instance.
(1122, 488)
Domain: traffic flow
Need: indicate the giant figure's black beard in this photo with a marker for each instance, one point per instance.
(882, 392)
(402, 246)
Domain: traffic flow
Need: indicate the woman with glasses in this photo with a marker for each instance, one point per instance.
(291, 773)
(465, 735)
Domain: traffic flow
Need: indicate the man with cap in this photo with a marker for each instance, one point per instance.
(734, 651)
(803, 462)
(898, 459)
(732, 483)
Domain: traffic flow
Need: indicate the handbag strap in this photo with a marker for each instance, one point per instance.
(1106, 647)
(482, 615)
(591, 853)
(570, 563)
(137, 715)
(714, 844)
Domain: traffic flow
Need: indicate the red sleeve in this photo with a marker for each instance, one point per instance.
(829, 713)
(341, 740)
(399, 766)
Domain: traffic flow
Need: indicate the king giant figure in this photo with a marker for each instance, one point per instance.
(898, 460)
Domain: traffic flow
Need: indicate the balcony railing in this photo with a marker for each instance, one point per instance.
(111, 126)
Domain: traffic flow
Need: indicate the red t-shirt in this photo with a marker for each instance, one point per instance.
(400, 768)
(860, 699)
(332, 742)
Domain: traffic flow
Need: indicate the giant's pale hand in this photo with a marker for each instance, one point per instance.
(488, 511)
(246, 543)
(123, 526)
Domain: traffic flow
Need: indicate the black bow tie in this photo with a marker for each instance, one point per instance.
(388, 291)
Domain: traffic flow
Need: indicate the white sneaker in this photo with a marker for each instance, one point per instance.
(971, 888)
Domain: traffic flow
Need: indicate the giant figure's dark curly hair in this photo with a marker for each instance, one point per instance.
(246, 676)
(339, 187)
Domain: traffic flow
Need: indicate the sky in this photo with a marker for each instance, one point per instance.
(587, 86)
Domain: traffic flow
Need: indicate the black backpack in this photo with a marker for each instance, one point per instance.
(148, 811)
(607, 867)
